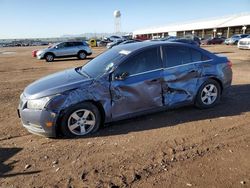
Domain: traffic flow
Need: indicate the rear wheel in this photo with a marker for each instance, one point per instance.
(49, 57)
(208, 94)
(81, 120)
(82, 55)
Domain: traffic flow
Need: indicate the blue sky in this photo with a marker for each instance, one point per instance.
(54, 18)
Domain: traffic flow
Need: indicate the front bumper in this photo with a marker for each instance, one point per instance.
(41, 122)
(40, 56)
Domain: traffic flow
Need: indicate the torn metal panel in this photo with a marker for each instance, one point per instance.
(136, 93)
(180, 85)
(97, 90)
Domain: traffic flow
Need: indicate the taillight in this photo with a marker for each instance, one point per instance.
(230, 64)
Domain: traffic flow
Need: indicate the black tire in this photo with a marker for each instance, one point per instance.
(202, 100)
(81, 55)
(49, 57)
(80, 109)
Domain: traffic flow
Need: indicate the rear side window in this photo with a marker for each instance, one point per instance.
(142, 62)
(176, 55)
(198, 56)
(69, 44)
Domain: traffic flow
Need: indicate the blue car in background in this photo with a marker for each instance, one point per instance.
(121, 83)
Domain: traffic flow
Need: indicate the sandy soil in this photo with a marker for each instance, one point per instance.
(186, 147)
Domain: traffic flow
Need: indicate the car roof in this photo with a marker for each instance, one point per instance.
(139, 45)
(133, 47)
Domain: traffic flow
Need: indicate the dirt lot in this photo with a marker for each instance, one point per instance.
(178, 148)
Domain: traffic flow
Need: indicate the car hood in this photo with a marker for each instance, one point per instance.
(45, 50)
(56, 83)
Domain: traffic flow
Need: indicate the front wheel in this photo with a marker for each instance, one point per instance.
(80, 120)
(49, 57)
(208, 94)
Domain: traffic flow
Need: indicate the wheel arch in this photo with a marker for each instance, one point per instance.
(49, 53)
(98, 104)
(219, 82)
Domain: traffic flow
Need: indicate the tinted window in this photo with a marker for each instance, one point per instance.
(78, 43)
(177, 55)
(69, 44)
(198, 56)
(142, 62)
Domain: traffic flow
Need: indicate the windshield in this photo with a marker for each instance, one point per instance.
(248, 36)
(102, 63)
(236, 36)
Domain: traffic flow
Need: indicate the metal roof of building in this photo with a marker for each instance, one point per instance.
(226, 21)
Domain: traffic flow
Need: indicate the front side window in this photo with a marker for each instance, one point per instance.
(61, 45)
(99, 65)
(176, 55)
(70, 44)
(146, 60)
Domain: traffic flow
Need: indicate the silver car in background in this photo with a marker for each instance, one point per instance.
(65, 49)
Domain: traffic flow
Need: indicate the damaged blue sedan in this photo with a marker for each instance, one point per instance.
(124, 82)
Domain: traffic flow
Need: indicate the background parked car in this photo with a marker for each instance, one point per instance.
(187, 41)
(65, 49)
(110, 39)
(235, 39)
(168, 38)
(193, 38)
(114, 43)
(215, 40)
(244, 43)
(92, 42)
(129, 41)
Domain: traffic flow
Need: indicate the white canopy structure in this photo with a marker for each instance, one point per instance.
(238, 20)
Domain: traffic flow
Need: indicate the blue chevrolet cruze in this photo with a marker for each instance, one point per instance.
(126, 81)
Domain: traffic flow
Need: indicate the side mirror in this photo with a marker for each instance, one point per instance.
(122, 76)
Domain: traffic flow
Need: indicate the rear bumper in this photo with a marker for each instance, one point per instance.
(40, 122)
(243, 46)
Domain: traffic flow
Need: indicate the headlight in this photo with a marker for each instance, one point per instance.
(38, 104)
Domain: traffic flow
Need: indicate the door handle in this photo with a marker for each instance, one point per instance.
(154, 80)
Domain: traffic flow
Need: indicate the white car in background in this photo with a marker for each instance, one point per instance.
(244, 43)
(65, 49)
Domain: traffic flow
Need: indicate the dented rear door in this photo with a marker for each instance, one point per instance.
(180, 76)
(141, 90)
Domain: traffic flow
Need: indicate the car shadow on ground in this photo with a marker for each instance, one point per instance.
(223, 52)
(72, 59)
(6, 154)
(235, 102)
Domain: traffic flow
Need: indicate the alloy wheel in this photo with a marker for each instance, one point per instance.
(209, 94)
(81, 122)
